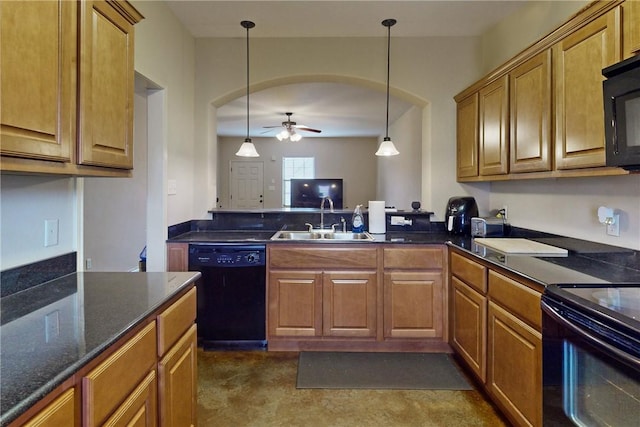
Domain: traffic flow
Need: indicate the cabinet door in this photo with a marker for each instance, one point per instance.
(177, 257)
(295, 304)
(38, 79)
(106, 86)
(59, 413)
(349, 304)
(413, 304)
(514, 372)
(494, 119)
(467, 137)
(578, 63)
(630, 28)
(530, 113)
(177, 372)
(469, 325)
(140, 408)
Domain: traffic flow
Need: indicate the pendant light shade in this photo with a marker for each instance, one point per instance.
(247, 149)
(387, 148)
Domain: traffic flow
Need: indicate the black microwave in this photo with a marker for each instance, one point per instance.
(621, 91)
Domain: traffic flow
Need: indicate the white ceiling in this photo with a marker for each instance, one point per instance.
(338, 110)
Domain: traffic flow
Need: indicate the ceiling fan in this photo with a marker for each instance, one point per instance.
(290, 128)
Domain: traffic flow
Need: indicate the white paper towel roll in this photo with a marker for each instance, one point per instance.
(377, 220)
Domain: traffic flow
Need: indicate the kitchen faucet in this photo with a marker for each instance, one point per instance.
(322, 210)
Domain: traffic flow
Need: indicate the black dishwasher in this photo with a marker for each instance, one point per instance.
(231, 295)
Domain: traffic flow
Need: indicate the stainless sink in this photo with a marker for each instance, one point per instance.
(323, 236)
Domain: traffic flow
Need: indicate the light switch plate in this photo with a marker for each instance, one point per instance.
(50, 232)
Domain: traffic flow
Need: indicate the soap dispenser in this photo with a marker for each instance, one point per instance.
(357, 222)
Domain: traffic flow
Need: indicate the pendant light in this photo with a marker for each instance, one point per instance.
(247, 149)
(387, 148)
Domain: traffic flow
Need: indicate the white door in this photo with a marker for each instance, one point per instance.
(246, 182)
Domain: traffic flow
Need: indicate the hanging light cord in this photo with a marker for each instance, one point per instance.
(388, 23)
(247, 25)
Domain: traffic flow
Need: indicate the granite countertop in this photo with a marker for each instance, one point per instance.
(587, 262)
(234, 236)
(50, 331)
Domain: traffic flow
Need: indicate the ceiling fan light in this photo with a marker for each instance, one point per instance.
(387, 148)
(247, 149)
(295, 137)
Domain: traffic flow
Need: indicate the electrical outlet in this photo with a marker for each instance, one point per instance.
(397, 220)
(506, 212)
(87, 264)
(614, 228)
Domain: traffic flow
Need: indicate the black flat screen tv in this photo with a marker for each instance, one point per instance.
(308, 193)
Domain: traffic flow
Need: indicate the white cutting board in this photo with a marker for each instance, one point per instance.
(520, 246)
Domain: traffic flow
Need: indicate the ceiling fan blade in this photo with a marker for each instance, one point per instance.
(270, 127)
(306, 129)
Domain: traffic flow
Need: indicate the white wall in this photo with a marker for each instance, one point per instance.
(165, 55)
(398, 180)
(427, 72)
(115, 210)
(524, 27)
(351, 159)
(563, 206)
(25, 203)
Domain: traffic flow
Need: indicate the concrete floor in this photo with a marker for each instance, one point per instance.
(257, 388)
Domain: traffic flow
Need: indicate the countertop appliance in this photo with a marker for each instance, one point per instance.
(458, 214)
(621, 91)
(591, 355)
(487, 227)
(231, 295)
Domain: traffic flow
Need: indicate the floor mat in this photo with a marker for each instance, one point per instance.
(410, 371)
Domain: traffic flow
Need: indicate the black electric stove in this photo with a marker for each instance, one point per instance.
(591, 355)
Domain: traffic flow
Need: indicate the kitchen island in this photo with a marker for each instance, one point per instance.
(55, 333)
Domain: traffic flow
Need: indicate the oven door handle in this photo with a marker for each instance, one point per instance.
(625, 357)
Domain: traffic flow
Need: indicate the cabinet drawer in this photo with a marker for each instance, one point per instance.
(109, 384)
(517, 298)
(59, 413)
(411, 257)
(324, 258)
(472, 273)
(175, 320)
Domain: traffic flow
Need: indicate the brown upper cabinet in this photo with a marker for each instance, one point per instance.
(630, 28)
(540, 114)
(579, 59)
(38, 48)
(467, 135)
(530, 102)
(494, 116)
(65, 112)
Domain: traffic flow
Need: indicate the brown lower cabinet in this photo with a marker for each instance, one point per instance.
(352, 297)
(148, 378)
(496, 331)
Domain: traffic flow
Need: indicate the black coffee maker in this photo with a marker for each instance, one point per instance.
(457, 218)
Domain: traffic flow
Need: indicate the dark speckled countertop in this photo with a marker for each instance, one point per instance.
(50, 331)
(587, 262)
